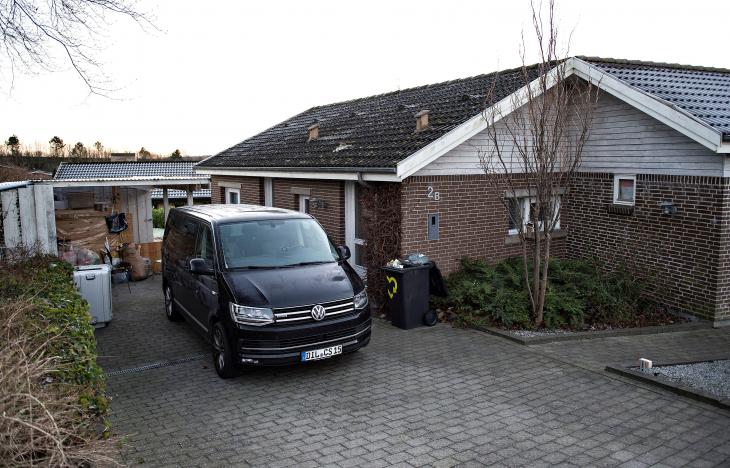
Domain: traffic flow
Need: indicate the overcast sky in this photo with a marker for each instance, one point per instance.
(218, 72)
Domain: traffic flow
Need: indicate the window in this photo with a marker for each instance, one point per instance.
(204, 248)
(275, 243)
(181, 239)
(524, 211)
(233, 196)
(624, 189)
(304, 203)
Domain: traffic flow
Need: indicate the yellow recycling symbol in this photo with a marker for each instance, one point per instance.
(392, 289)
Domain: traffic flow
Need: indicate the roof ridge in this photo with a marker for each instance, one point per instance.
(653, 64)
(153, 161)
(415, 88)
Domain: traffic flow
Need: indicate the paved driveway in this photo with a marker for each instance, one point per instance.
(431, 396)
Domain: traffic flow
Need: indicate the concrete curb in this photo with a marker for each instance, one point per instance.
(695, 394)
(527, 341)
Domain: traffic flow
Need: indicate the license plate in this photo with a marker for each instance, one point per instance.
(323, 353)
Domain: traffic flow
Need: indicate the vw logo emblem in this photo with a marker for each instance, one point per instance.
(318, 312)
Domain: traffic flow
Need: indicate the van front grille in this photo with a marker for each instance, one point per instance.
(291, 343)
(303, 314)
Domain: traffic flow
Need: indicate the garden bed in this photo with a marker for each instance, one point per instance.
(53, 404)
(707, 381)
(583, 300)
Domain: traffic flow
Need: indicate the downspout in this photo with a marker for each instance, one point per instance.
(361, 182)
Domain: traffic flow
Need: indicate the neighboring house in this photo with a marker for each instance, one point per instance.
(653, 193)
(179, 197)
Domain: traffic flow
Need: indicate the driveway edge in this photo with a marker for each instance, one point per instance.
(653, 330)
(684, 390)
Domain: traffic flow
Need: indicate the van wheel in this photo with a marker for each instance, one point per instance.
(171, 311)
(222, 355)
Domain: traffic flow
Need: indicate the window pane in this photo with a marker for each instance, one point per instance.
(205, 246)
(275, 243)
(514, 214)
(626, 190)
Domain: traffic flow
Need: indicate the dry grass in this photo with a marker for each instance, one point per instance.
(42, 421)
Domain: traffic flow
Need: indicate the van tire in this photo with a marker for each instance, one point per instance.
(222, 354)
(171, 311)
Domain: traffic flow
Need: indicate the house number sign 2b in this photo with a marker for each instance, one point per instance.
(432, 194)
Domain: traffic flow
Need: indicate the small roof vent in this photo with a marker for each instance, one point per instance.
(313, 132)
(422, 120)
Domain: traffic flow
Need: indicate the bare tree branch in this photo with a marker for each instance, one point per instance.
(34, 32)
(535, 146)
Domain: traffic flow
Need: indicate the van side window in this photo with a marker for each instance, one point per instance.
(181, 239)
(204, 248)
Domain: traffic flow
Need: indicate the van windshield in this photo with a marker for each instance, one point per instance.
(275, 243)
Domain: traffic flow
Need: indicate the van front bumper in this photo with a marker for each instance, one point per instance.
(282, 345)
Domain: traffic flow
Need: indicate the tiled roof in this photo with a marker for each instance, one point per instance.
(702, 91)
(127, 170)
(175, 193)
(379, 131)
(372, 132)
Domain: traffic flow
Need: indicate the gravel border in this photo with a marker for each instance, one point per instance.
(695, 393)
(712, 377)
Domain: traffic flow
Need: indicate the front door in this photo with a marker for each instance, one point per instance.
(353, 227)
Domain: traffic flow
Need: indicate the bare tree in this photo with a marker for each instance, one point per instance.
(535, 146)
(34, 32)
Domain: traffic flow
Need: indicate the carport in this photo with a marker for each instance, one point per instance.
(124, 187)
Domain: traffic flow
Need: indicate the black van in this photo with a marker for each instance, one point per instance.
(264, 285)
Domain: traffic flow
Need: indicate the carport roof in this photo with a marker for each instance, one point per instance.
(130, 172)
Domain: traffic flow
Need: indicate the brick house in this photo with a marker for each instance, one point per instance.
(653, 193)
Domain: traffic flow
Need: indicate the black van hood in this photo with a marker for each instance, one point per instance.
(293, 286)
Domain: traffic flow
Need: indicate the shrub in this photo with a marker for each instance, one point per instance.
(51, 389)
(579, 292)
(158, 217)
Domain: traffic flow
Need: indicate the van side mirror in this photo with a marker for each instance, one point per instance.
(198, 266)
(343, 251)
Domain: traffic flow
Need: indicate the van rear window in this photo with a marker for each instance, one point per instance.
(275, 243)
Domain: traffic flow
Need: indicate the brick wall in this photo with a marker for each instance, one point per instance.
(684, 257)
(332, 192)
(473, 220)
(252, 189)
(331, 216)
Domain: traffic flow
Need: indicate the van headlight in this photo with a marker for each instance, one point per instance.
(361, 299)
(250, 315)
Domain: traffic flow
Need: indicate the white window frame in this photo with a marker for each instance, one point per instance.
(616, 179)
(303, 203)
(524, 206)
(268, 191)
(230, 190)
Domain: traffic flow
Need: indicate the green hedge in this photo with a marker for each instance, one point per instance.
(158, 217)
(579, 293)
(59, 312)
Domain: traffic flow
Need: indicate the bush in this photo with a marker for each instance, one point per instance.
(579, 292)
(158, 217)
(51, 389)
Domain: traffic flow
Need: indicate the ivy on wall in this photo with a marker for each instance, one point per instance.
(381, 215)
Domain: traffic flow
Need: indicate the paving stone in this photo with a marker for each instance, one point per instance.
(430, 396)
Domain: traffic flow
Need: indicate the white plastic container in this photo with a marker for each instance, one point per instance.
(95, 285)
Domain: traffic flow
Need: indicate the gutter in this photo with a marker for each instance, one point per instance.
(379, 170)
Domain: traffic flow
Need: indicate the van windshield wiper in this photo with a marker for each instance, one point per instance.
(320, 262)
